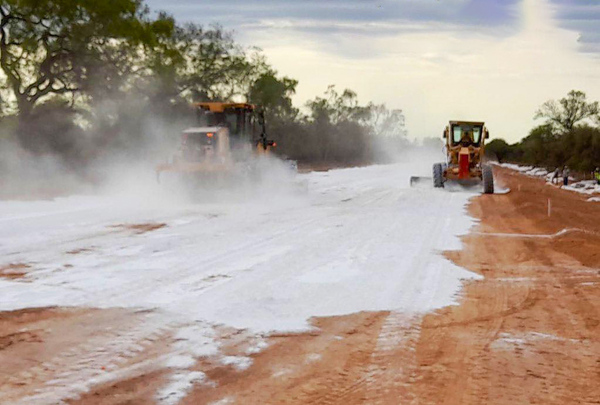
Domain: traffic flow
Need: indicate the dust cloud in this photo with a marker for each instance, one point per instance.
(126, 171)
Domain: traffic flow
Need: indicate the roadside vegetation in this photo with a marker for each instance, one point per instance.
(85, 79)
(569, 136)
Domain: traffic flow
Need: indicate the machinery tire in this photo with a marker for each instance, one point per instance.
(488, 179)
(438, 175)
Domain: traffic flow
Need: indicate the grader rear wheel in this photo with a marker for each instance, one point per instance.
(488, 180)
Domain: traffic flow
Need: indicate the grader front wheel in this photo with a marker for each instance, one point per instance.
(438, 175)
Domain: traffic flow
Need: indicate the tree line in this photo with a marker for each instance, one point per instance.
(82, 78)
(569, 136)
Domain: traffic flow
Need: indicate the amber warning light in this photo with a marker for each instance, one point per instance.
(210, 134)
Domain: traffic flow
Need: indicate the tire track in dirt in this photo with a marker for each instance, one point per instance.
(391, 371)
(107, 355)
(393, 363)
(360, 379)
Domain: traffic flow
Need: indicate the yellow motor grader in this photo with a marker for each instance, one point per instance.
(227, 134)
(464, 146)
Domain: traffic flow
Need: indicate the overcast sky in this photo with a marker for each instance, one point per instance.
(492, 60)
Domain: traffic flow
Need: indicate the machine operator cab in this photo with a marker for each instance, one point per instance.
(205, 144)
(466, 137)
(223, 129)
(244, 124)
(467, 133)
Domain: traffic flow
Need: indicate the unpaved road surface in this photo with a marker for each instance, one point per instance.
(360, 262)
(529, 331)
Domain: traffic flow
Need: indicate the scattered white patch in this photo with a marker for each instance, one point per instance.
(179, 385)
(594, 199)
(515, 279)
(179, 361)
(536, 172)
(583, 186)
(196, 340)
(190, 343)
(258, 344)
(240, 363)
(587, 271)
(507, 341)
(282, 372)
(224, 401)
(501, 190)
(313, 357)
(543, 236)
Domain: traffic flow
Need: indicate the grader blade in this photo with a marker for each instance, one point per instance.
(420, 181)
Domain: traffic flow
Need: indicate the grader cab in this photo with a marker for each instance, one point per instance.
(227, 133)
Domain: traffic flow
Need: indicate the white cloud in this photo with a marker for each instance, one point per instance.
(495, 60)
(444, 74)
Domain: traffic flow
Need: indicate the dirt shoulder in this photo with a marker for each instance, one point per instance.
(529, 331)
